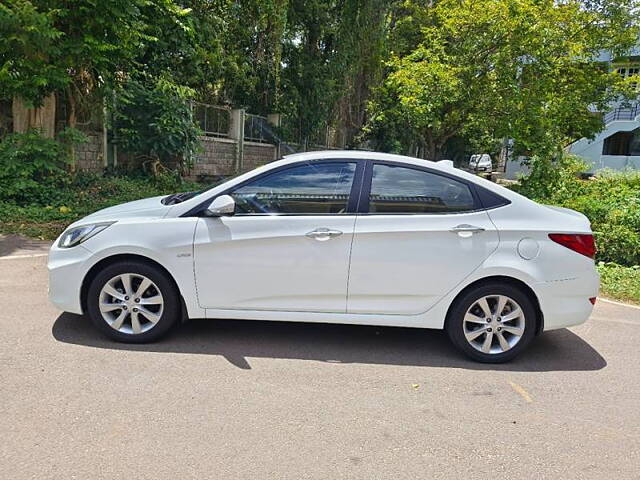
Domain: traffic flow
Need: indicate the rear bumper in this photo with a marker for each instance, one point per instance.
(566, 302)
(67, 269)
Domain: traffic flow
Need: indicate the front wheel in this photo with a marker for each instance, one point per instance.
(492, 323)
(133, 302)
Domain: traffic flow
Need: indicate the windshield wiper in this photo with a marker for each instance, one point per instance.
(178, 197)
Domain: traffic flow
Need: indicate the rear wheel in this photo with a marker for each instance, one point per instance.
(492, 323)
(133, 302)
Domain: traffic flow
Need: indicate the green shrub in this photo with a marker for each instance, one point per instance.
(617, 243)
(80, 195)
(555, 180)
(611, 201)
(620, 282)
(153, 121)
(32, 167)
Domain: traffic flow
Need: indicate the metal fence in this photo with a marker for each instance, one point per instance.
(214, 121)
(622, 113)
(257, 128)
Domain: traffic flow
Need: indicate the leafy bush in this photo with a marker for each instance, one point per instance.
(611, 201)
(80, 195)
(553, 179)
(620, 282)
(617, 243)
(153, 121)
(32, 167)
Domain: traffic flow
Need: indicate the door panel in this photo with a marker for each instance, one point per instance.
(403, 264)
(269, 262)
(422, 236)
(287, 247)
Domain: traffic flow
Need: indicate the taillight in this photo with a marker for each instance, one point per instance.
(578, 242)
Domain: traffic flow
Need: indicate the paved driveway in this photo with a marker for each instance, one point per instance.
(237, 399)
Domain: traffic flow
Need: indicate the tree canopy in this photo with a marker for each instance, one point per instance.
(412, 76)
(487, 70)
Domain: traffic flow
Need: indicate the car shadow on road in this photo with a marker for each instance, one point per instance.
(17, 243)
(240, 340)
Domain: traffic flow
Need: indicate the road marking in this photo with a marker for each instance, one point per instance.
(618, 303)
(521, 391)
(31, 255)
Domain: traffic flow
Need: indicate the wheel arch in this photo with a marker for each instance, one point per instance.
(526, 289)
(110, 260)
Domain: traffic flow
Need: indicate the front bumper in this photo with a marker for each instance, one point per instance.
(67, 269)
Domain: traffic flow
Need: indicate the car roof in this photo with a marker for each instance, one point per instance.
(352, 154)
(362, 154)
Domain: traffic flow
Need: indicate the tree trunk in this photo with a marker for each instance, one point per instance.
(72, 121)
(42, 118)
(431, 150)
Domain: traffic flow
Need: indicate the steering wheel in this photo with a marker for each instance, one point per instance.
(253, 202)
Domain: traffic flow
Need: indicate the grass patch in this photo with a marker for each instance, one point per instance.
(84, 195)
(620, 283)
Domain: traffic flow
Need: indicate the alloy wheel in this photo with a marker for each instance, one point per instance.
(131, 303)
(494, 324)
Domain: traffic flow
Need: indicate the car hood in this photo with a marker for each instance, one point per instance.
(147, 207)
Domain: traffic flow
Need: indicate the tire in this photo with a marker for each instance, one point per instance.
(470, 336)
(131, 315)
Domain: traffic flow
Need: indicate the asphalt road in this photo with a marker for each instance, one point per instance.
(254, 400)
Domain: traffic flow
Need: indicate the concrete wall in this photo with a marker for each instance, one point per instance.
(515, 169)
(591, 150)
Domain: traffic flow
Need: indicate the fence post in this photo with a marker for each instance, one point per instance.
(105, 141)
(275, 119)
(236, 132)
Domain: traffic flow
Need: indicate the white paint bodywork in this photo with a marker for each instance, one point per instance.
(399, 270)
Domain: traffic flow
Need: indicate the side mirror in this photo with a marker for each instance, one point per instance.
(222, 206)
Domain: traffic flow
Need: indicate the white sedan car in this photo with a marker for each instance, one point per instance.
(335, 237)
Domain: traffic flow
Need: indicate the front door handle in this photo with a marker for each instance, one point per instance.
(322, 234)
(466, 230)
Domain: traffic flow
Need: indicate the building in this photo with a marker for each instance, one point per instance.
(617, 146)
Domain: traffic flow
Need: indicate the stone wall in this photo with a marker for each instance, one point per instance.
(257, 154)
(89, 155)
(217, 158)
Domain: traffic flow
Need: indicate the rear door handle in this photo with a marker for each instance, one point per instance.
(466, 230)
(322, 234)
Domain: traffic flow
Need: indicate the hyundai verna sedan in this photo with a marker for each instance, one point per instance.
(335, 237)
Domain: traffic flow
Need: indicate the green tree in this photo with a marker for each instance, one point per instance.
(28, 50)
(492, 69)
(332, 53)
(153, 122)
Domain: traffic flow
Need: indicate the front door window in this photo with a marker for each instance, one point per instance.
(310, 189)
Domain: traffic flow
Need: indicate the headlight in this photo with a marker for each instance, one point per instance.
(77, 235)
